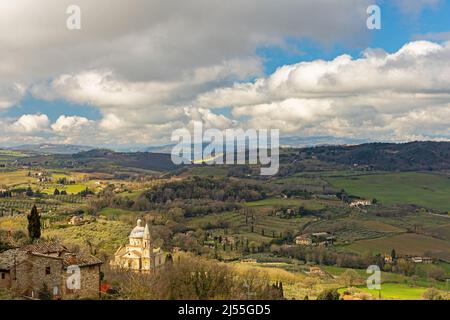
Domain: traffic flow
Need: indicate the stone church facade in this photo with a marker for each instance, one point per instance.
(140, 254)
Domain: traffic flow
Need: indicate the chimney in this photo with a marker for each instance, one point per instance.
(72, 259)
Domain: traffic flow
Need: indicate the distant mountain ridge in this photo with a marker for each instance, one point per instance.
(416, 155)
(377, 156)
(48, 148)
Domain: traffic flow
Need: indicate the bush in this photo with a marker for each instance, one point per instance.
(432, 294)
(329, 294)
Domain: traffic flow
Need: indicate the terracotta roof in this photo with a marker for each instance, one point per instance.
(80, 259)
(45, 248)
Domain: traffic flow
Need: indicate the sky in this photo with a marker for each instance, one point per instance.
(139, 70)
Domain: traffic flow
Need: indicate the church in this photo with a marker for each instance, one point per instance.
(140, 254)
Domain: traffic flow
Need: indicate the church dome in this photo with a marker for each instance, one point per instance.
(138, 231)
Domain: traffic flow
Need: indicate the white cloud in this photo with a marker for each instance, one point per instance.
(158, 65)
(30, 123)
(379, 96)
(67, 124)
(158, 48)
(416, 6)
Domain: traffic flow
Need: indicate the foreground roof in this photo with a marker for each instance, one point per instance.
(51, 250)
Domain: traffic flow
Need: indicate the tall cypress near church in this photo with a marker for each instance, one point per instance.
(34, 224)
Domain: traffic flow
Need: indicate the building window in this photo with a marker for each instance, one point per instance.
(3, 275)
(47, 270)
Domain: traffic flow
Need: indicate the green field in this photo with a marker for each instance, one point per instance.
(104, 235)
(355, 228)
(12, 153)
(273, 202)
(237, 225)
(424, 189)
(69, 188)
(14, 178)
(406, 244)
(117, 213)
(209, 171)
(395, 291)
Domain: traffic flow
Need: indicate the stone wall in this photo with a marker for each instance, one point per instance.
(90, 284)
(30, 277)
(5, 279)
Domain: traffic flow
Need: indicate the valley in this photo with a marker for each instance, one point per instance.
(316, 226)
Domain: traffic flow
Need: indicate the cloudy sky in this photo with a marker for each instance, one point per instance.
(137, 70)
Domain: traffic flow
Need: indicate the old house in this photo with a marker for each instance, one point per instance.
(140, 254)
(425, 260)
(51, 269)
(360, 203)
(315, 239)
(317, 271)
(388, 259)
(303, 240)
(76, 220)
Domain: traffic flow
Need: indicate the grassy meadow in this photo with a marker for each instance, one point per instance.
(430, 190)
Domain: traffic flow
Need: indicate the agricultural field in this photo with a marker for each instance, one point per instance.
(441, 232)
(394, 291)
(279, 202)
(205, 171)
(116, 214)
(429, 190)
(408, 244)
(354, 228)
(10, 155)
(15, 178)
(106, 236)
(214, 216)
(265, 227)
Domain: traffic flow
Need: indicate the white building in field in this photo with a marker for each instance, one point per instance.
(140, 254)
(360, 203)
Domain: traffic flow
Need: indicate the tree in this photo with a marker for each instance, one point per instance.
(34, 224)
(393, 255)
(329, 294)
(29, 192)
(349, 277)
(432, 294)
(44, 293)
(436, 273)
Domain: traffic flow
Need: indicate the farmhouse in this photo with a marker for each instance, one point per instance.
(76, 220)
(426, 260)
(140, 254)
(315, 239)
(303, 240)
(317, 271)
(388, 259)
(360, 203)
(47, 268)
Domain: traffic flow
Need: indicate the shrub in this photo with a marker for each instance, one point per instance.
(329, 294)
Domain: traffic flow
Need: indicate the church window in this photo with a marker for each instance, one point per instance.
(47, 270)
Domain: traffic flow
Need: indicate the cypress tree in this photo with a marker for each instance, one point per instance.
(34, 224)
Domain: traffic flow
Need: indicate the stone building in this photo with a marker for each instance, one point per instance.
(50, 268)
(140, 254)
